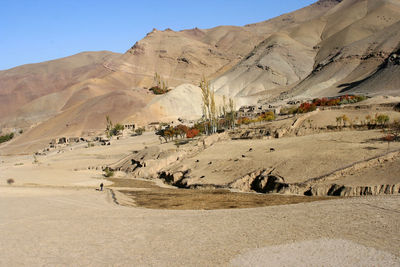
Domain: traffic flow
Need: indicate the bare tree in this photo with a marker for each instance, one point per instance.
(232, 112)
(205, 91)
(109, 126)
(213, 109)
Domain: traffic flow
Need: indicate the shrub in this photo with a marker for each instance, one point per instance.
(7, 137)
(193, 132)
(108, 172)
(338, 100)
(244, 120)
(382, 119)
(289, 110)
(140, 131)
(201, 126)
(339, 121)
(345, 119)
(161, 86)
(117, 129)
(268, 116)
(167, 133)
(181, 130)
(158, 90)
(10, 181)
(306, 107)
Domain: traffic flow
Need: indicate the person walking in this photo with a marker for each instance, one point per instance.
(101, 187)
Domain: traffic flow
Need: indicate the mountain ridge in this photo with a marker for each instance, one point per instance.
(327, 48)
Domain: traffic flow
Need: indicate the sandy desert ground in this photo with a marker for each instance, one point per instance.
(47, 226)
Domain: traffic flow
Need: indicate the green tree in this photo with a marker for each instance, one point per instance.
(382, 119)
(117, 129)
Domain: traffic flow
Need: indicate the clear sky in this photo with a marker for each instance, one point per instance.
(38, 30)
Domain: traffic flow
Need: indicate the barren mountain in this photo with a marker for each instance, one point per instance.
(327, 48)
(320, 56)
(355, 48)
(185, 56)
(32, 92)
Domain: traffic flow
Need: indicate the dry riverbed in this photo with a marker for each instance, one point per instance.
(149, 195)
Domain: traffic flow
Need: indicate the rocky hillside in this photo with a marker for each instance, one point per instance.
(331, 53)
(184, 56)
(35, 92)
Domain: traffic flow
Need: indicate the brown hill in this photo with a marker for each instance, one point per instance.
(185, 56)
(327, 48)
(360, 37)
(318, 57)
(28, 92)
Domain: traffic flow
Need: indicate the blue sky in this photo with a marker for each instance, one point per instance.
(38, 30)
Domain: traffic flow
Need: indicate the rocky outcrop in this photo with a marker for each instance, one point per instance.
(153, 162)
(348, 191)
(266, 181)
(147, 162)
(263, 181)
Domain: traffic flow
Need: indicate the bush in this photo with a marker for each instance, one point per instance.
(140, 131)
(192, 133)
(382, 119)
(181, 130)
(268, 116)
(289, 110)
(7, 137)
(108, 172)
(117, 129)
(306, 107)
(201, 126)
(321, 102)
(244, 120)
(158, 90)
(10, 181)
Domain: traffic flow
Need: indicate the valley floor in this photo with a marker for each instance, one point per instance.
(49, 226)
(54, 214)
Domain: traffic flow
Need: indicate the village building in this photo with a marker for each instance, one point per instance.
(130, 126)
(255, 111)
